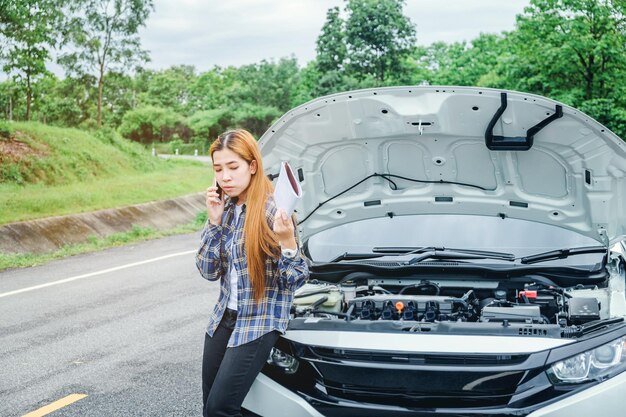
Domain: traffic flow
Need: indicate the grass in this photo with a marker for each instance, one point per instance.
(51, 171)
(70, 171)
(39, 200)
(54, 156)
(136, 234)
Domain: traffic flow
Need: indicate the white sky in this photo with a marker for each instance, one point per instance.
(205, 33)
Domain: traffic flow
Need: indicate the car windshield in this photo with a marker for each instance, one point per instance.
(518, 237)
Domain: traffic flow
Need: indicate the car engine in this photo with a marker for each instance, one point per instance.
(435, 302)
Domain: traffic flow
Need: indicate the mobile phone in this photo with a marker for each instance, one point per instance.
(219, 190)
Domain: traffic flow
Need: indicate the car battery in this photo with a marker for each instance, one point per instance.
(583, 309)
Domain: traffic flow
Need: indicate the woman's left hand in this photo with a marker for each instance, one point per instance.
(284, 229)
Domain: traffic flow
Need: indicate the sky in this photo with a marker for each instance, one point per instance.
(206, 33)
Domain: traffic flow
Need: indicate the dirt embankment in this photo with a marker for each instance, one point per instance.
(13, 149)
(52, 233)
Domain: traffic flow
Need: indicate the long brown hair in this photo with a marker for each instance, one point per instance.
(260, 241)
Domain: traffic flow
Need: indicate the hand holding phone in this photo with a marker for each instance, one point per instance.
(214, 203)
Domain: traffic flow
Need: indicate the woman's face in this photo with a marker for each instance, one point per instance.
(233, 173)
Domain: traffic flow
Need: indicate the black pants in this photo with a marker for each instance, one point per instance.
(228, 373)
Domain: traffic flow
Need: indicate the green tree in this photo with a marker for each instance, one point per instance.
(76, 95)
(329, 73)
(119, 97)
(206, 125)
(270, 83)
(460, 63)
(29, 28)
(65, 102)
(8, 98)
(254, 117)
(440, 63)
(169, 88)
(104, 34)
(208, 91)
(379, 39)
(571, 48)
(308, 84)
(331, 43)
(44, 106)
(608, 112)
(149, 124)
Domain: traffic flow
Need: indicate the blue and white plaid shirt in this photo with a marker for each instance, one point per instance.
(282, 278)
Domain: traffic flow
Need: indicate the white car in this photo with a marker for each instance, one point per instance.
(467, 258)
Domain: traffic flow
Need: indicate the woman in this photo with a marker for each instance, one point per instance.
(250, 246)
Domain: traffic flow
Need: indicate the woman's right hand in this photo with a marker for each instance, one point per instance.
(214, 205)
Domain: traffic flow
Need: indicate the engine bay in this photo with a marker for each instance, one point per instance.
(556, 311)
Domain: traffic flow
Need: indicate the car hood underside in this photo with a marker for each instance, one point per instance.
(451, 150)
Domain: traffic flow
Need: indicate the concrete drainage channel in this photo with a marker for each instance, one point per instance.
(52, 233)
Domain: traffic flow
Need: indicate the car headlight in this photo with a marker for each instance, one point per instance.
(590, 365)
(283, 360)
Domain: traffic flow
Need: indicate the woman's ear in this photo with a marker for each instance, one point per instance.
(253, 167)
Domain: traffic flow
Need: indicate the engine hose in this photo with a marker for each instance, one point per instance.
(420, 285)
(324, 291)
(319, 303)
(344, 315)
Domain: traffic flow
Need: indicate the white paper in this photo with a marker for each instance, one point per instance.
(287, 191)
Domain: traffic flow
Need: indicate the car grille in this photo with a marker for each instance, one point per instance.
(421, 359)
(396, 378)
(411, 399)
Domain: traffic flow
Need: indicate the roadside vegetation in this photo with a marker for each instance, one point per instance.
(49, 171)
(135, 235)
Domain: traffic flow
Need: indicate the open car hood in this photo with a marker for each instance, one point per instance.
(451, 150)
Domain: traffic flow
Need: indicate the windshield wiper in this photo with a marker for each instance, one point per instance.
(439, 252)
(424, 252)
(404, 250)
(561, 254)
(443, 253)
(450, 254)
(347, 256)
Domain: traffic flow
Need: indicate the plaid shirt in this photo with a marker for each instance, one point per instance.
(282, 278)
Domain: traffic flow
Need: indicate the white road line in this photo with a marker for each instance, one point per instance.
(92, 274)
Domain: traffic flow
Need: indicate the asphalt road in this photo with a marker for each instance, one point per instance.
(127, 335)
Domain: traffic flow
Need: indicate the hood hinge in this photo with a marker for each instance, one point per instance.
(603, 236)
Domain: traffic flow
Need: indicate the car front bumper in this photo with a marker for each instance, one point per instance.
(268, 398)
